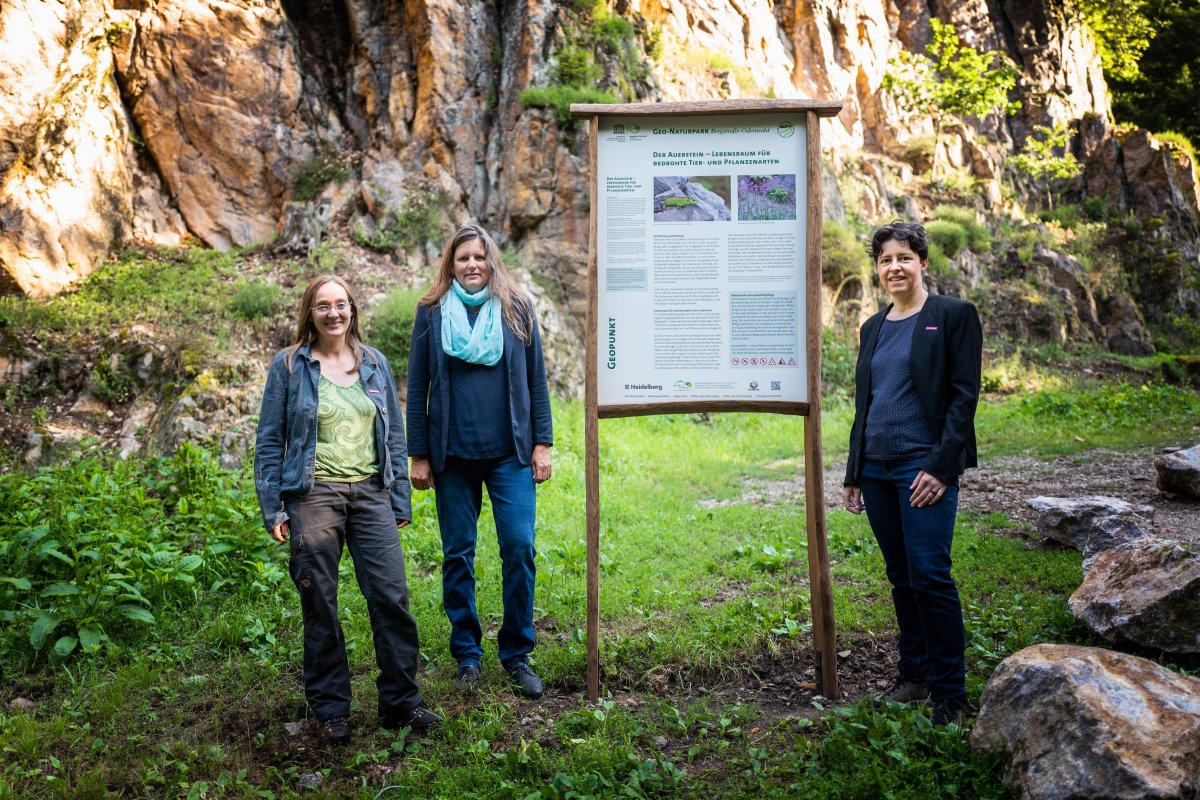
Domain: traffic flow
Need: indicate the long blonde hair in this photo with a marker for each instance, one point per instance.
(306, 329)
(518, 316)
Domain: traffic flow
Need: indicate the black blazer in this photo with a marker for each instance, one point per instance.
(429, 390)
(946, 362)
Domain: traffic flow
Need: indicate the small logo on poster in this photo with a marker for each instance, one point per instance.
(786, 129)
(776, 386)
(618, 128)
(754, 386)
(682, 384)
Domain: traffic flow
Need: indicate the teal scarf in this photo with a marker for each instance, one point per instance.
(481, 343)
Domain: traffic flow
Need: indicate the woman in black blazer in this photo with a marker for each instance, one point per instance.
(479, 415)
(917, 386)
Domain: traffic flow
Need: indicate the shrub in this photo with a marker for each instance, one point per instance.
(89, 550)
(938, 263)
(842, 255)
(254, 299)
(1179, 144)
(415, 222)
(950, 237)
(389, 324)
(979, 238)
(560, 99)
(1095, 208)
(322, 169)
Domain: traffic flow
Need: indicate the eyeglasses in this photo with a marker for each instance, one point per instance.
(325, 308)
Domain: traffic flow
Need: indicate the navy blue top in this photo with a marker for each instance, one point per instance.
(896, 425)
(479, 418)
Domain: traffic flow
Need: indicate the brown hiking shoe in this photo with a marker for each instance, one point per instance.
(903, 690)
(336, 730)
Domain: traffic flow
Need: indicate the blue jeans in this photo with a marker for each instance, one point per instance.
(359, 516)
(916, 548)
(459, 495)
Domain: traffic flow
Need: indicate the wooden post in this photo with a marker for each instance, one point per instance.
(820, 583)
(591, 435)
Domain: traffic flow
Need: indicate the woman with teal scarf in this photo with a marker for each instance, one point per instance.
(479, 415)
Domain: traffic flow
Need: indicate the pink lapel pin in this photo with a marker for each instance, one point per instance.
(931, 327)
(373, 391)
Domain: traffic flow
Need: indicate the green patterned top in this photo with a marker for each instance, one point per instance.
(345, 433)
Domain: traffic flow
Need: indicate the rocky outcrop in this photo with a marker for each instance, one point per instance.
(1145, 592)
(72, 185)
(1179, 472)
(1069, 521)
(1080, 722)
(218, 95)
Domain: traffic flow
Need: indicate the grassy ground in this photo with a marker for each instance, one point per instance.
(704, 609)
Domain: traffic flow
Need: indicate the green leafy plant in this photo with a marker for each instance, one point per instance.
(89, 550)
(1040, 159)
(255, 299)
(979, 238)
(950, 237)
(321, 169)
(952, 79)
(417, 220)
(389, 324)
(680, 202)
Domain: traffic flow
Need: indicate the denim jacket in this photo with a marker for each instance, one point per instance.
(285, 449)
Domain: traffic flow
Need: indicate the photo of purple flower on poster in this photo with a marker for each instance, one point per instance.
(766, 197)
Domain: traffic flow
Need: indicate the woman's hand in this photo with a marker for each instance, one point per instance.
(421, 474)
(852, 499)
(541, 463)
(281, 532)
(925, 490)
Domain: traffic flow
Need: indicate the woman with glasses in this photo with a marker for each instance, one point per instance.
(479, 414)
(330, 470)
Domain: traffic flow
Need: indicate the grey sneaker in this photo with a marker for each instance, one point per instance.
(526, 680)
(336, 730)
(903, 690)
(467, 677)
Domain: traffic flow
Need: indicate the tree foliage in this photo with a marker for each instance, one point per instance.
(952, 79)
(1122, 31)
(1166, 92)
(1041, 160)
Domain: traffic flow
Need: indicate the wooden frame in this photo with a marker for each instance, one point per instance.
(818, 553)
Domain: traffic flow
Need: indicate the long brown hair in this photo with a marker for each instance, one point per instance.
(306, 330)
(518, 316)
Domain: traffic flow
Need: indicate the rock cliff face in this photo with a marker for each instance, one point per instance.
(141, 119)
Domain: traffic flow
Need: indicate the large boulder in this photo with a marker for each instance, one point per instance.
(1109, 533)
(1179, 472)
(1069, 520)
(1146, 593)
(1080, 722)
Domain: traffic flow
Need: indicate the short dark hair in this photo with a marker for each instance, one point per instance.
(911, 233)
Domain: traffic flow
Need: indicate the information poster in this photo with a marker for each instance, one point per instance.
(701, 258)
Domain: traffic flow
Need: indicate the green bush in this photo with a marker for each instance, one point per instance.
(842, 254)
(1179, 143)
(979, 238)
(255, 299)
(90, 550)
(389, 324)
(417, 221)
(560, 99)
(950, 237)
(322, 169)
(938, 263)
